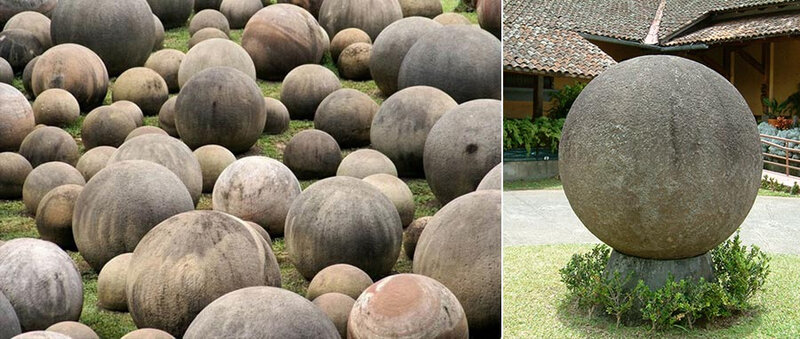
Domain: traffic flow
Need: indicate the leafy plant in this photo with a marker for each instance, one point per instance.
(563, 100)
(774, 185)
(525, 133)
(774, 108)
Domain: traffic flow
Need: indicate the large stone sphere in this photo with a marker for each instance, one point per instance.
(691, 129)
(421, 8)
(167, 63)
(343, 220)
(312, 6)
(111, 283)
(339, 278)
(56, 107)
(347, 116)
(401, 126)
(9, 323)
(282, 37)
(220, 89)
(305, 87)
(365, 162)
(46, 177)
(130, 109)
(148, 333)
(54, 215)
(450, 19)
(46, 144)
(42, 335)
(347, 37)
(277, 116)
(73, 329)
(337, 307)
(398, 192)
(493, 179)
(452, 57)
(460, 247)
(10, 8)
(411, 236)
(407, 305)
(34, 22)
(490, 15)
(16, 118)
(200, 5)
(353, 63)
(19, 47)
(75, 69)
(212, 53)
(160, 35)
(14, 168)
(106, 126)
(312, 154)
(94, 160)
(370, 16)
(166, 117)
(209, 18)
(462, 147)
(239, 12)
(206, 34)
(121, 204)
(257, 189)
(262, 312)
(7, 73)
(143, 87)
(27, 75)
(139, 131)
(188, 261)
(42, 283)
(213, 160)
(128, 31)
(172, 13)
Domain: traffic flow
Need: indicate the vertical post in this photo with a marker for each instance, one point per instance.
(765, 67)
(538, 96)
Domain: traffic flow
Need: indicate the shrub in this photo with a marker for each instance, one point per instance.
(528, 134)
(563, 100)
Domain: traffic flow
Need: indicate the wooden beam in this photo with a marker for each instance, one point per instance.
(750, 60)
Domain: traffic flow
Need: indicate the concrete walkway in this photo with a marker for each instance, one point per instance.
(545, 217)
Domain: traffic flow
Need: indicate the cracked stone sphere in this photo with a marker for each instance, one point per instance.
(370, 16)
(305, 87)
(16, 118)
(347, 116)
(54, 215)
(365, 162)
(14, 168)
(73, 68)
(46, 177)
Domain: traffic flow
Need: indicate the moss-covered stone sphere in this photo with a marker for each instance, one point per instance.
(390, 49)
(16, 118)
(239, 12)
(347, 37)
(14, 168)
(46, 144)
(111, 283)
(346, 115)
(411, 235)
(213, 160)
(73, 68)
(34, 22)
(106, 126)
(56, 107)
(214, 53)
(312, 154)
(337, 307)
(94, 160)
(54, 215)
(304, 89)
(209, 18)
(370, 16)
(167, 63)
(74, 329)
(142, 86)
(365, 162)
(277, 116)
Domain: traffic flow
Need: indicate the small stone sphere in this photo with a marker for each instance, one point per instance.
(58, 292)
(401, 126)
(75, 69)
(312, 6)
(34, 22)
(277, 116)
(142, 86)
(353, 63)
(651, 207)
(200, 5)
(6, 72)
(14, 168)
(438, 60)
(398, 192)
(46, 144)
(111, 283)
(209, 18)
(121, 204)
(94, 160)
(312, 154)
(184, 249)
(339, 278)
(160, 35)
(212, 53)
(450, 19)
(9, 324)
(213, 160)
(46, 177)
(239, 12)
(10, 8)
(460, 247)
(370, 16)
(347, 116)
(490, 15)
(220, 89)
(54, 215)
(343, 220)
(390, 49)
(166, 63)
(19, 47)
(346, 38)
(148, 333)
(16, 118)
(257, 189)
(27, 75)
(337, 306)
(131, 110)
(304, 89)
(173, 13)
(73, 329)
(262, 312)
(106, 126)
(493, 179)
(139, 131)
(365, 162)
(407, 305)
(412, 234)
(56, 107)
(421, 8)
(204, 34)
(166, 117)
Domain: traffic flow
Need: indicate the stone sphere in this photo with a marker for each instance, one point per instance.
(450, 57)
(143, 87)
(212, 53)
(337, 307)
(46, 144)
(213, 160)
(94, 160)
(400, 128)
(14, 168)
(277, 117)
(7, 73)
(27, 75)
(239, 12)
(10, 8)
(412, 234)
(312, 6)
(282, 37)
(365, 162)
(73, 329)
(121, 204)
(370, 16)
(172, 13)
(200, 5)
(451, 19)
(148, 333)
(346, 115)
(305, 87)
(42, 335)
(262, 312)
(220, 89)
(206, 34)
(343, 220)
(73, 68)
(493, 179)
(490, 14)
(166, 117)
(312, 154)
(9, 324)
(353, 63)
(261, 231)
(130, 109)
(167, 63)
(34, 22)
(19, 47)
(46, 177)
(139, 131)
(651, 207)
(54, 215)
(128, 30)
(16, 118)
(398, 192)
(42, 283)
(339, 278)
(106, 126)
(390, 49)
(111, 283)
(56, 107)
(455, 162)
(257, 189)
(347, 37)
(460, 247)
(160, 35)
(407, 305)
(421, 8)
(209, 18)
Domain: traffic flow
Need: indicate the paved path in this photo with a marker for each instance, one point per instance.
(545, 217)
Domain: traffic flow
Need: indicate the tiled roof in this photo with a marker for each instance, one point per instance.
(743, 28)
(681, 13)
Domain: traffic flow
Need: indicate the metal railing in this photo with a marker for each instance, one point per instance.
(787, 161)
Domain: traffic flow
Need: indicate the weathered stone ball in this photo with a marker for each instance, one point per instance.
(128, 30)
(212, 53)
(34, 22)
(239, 12)
(411, 236)
(94, 160)
(130, 198)
(353, 63)
(75, 69)
(370, 16)
(213, 160)
(490, 14)
(183, 249)
(450, 19)
(204, 34)
(19, 47)
(261, 231)
(200, 5)
(339, 278)
(130, 109)
(312, 154)
(9, 323)
(365, 162)
(148, 333)
(16, 118)
(347, 37)
(220, 89)
(398, 192)
(111, 283)
(172, 13)
(439, 59)
(257, 189)
(304, 89)
(6, 72)
(390, 49)
(139, 131)
(337, 307)
(14, 168)
(493, 179)
(651, 207)
(160, 35)
(10, 8)
(400, 128)
(346, 115)
(277, 116)
(407, 305)
(46, 144)
(209, 18)
(262, 312)
(73, 329)
(46, 177)
(282, 37)
(54, 215)
(166, 117)
(56, 107)
(106, 126)
(166, 63)
(143, 87)
(312, 6)
(460, 247)
(42, 335)
(421, 8)
(27, 75)
(42, 283)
